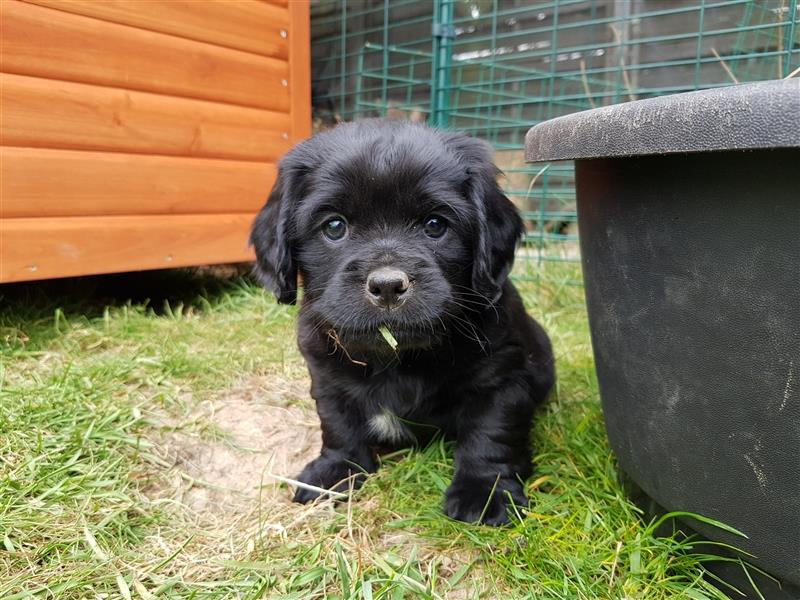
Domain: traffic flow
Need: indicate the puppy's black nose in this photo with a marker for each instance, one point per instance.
(387, 286)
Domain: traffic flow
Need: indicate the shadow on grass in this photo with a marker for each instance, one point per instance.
(29, 309)
(91, 295)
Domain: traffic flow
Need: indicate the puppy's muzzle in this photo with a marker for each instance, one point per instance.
(387, 287)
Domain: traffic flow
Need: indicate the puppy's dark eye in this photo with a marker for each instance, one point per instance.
(334, 229)
(434, 226)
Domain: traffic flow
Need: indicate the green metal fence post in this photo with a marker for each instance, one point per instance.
(790, 41)
(443, 35)
(360, 84)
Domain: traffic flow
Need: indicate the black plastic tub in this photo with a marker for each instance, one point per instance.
(689, 219)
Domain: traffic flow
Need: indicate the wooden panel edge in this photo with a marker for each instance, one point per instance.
(32, 249)
(300, 68)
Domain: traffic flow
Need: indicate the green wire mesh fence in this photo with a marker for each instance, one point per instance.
(494, 68)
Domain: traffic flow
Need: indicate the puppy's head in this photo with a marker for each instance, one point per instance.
(390, 224)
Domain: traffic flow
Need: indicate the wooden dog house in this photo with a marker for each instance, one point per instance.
(143, 135)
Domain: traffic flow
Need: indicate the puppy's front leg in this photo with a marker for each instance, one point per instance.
(493, 456)
(345, 459)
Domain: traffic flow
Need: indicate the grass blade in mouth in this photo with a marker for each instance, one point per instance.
(387, 335)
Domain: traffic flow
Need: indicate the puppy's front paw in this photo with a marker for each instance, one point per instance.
(468, 499)
(333, 473)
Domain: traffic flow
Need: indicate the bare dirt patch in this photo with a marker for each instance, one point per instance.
(221, 456)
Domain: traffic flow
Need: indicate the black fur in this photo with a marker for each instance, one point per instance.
(470, 362)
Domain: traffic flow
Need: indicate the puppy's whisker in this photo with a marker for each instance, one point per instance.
(466, 306)
(467, 298)
(462, 320)
(470, 299)
(463, 295)
(472, 292)
(462, 325)
(466, 334)
(467, 329)
(318, 325)
(431, 325)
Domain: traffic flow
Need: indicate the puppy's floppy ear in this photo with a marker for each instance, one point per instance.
(499, 226)
(275, 267)
(498, 233)
(273, 230)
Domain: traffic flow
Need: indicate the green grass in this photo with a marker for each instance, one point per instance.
(88, 380)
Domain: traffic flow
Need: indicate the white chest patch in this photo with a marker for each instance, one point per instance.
(387, 427)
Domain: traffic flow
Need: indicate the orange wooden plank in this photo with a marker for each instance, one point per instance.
(38, 182)
(45, 113)
(240, 24)
(49, 43)
(300, 68)
(63, 247)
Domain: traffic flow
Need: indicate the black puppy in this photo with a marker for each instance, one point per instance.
(408, 322)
